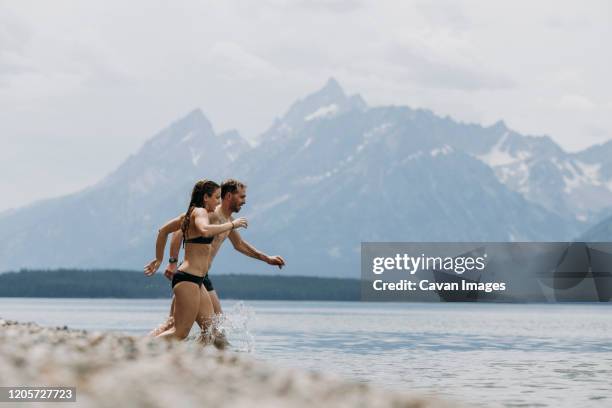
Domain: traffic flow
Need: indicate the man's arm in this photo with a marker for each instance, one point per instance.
(244, 247)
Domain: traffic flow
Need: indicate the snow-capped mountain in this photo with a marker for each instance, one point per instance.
(380, 174)
(575, 185)
(329, 174)
(329, 102)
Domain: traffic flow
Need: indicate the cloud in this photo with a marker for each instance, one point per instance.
(568, 78)
(334, 6)
(14, 37)
(576, 102)
(12, 64)
(97, 64)
(113, 73)
(14, 33)
(438, 59)
(599, 133)
(448, 14)
(316, 6)
(234, 62)
(46, 65)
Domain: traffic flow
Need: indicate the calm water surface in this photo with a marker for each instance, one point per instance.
(494, 355)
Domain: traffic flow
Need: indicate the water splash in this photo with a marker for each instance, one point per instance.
(234, 325)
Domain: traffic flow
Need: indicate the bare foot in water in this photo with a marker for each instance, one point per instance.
(162, 327)
(220, 340)
(205, 338)
(217, 339)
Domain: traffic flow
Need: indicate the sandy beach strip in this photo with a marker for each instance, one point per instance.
(113, 370)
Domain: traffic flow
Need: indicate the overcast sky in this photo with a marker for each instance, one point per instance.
(84, 83)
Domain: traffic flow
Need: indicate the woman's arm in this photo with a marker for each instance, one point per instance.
(160, 244)
(206, 229)
(175, 249)
(175, 244)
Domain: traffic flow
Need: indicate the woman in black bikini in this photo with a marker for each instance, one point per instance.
(192, 303)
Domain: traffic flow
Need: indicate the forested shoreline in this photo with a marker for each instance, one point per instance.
(101, 283)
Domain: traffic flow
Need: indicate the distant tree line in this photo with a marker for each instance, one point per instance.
(103, 283)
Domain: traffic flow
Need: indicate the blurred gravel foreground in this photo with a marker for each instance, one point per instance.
(112, 370)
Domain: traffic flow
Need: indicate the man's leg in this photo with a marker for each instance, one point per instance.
(215, 301)
(204, 319)
(205, 323)
(219, 339)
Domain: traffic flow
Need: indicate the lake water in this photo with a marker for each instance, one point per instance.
(554, 355)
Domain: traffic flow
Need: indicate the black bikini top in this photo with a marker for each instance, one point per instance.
(198, 240)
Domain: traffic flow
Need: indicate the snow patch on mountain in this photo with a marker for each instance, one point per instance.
(500, 156)
(369, 135)
(581, 174)
(309, 180)
(188, 136)
(377, 130)
(195, 156)
(515, 176)
(582, 217)
(444, 150)
(257, 210)
(145, 182)
(412, 156)
(334, 252)
(323, 112)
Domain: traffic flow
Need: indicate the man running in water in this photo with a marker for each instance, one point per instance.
(233, 197)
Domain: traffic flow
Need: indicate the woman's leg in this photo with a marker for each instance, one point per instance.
(186, 307)
(165, 325)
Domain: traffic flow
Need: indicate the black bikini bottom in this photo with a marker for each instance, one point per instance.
(181, 276)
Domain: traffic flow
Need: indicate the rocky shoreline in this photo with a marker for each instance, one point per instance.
(111, 370)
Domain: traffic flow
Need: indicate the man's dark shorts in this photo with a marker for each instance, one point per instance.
(208, 283)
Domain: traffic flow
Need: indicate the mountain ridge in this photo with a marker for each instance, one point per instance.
(320, 180)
